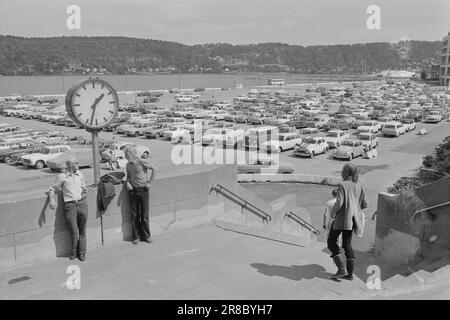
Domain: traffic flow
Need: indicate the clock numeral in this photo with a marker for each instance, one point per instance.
(76, 94)
(78, 115)
(110, 111)
(84, 87)
(103, 85)
(109, 93)
(112, 102)
(76, 105)
(104, 118)
(87, 121)
(96, 122)
(93, 85)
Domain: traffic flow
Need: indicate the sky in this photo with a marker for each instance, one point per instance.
(301, 22)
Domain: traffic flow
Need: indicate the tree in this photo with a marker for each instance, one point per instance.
(423, 75)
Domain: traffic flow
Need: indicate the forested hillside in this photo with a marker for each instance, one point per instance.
(119, 55)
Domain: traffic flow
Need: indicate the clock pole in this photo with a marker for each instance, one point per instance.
(96, 159)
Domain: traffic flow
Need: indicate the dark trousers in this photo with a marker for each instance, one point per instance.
(139, 208)
(346, 243)
(76, 215)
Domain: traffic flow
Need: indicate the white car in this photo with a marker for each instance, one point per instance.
(394, 128)
(409, 124)
(433, 117)
(368, 140)
(233, 138)
(335, 137)
(39, 160)
(212, 135)
(113, 148)
(174, 132)
(371, 126)
(184, 98)
(216, 115)
(311, 147)
(120, 154)
(286, 141)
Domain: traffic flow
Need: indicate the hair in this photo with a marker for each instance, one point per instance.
(130, 152)
(334, 192)
(349, 171)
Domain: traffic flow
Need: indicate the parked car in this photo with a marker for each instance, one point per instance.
(409, 124)
(311, 147)
(82, 155)
(368, 139)
(156, 131)
(433, 117)
(349, 149)
(265, 165)
(232, 138)
(308, 132)
(52, 137)
(138, 129)
(216, 115)
(337, 124)
(6, 154)
(285, 142)
(39, 160)
(335, 137)
(395, 129)
(213, 135)
(369, 126)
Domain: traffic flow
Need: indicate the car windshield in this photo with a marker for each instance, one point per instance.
(347, 143)
(364, 137)
(45, 150)
(332, 134)
(369, 124)
(334, 121)
(310, 141)
(389, 126)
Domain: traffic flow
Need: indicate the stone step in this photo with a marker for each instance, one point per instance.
(422, 276)
(444, 271)
(426, 264)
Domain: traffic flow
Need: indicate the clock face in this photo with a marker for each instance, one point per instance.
(92, 103)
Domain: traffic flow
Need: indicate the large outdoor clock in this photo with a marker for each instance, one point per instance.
(92, 104)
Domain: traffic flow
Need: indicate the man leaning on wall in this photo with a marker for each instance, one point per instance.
(138, 184)
(73, 188)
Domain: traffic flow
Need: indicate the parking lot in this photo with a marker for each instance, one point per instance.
(396, 156)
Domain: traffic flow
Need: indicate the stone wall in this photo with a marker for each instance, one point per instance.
(402, 235)
(30, 230)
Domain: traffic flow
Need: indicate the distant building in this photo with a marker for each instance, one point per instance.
(444, 73)
(434, 72)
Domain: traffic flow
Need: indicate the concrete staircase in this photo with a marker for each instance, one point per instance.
(427, 279)
(244, 208)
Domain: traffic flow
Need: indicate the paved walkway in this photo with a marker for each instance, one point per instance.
(204, 262)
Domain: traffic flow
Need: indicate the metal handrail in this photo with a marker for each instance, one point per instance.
(301, 221)
(430, 208)
(242, 202)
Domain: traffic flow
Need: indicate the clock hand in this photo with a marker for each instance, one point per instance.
(94, 105)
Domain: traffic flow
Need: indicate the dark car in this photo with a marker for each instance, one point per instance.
(151, 100)
(16, 156)
(337, 124)
(6, 154)
(114, 125)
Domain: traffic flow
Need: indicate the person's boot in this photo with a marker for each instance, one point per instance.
(73, 255)
(341, 268)
(350, 266)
